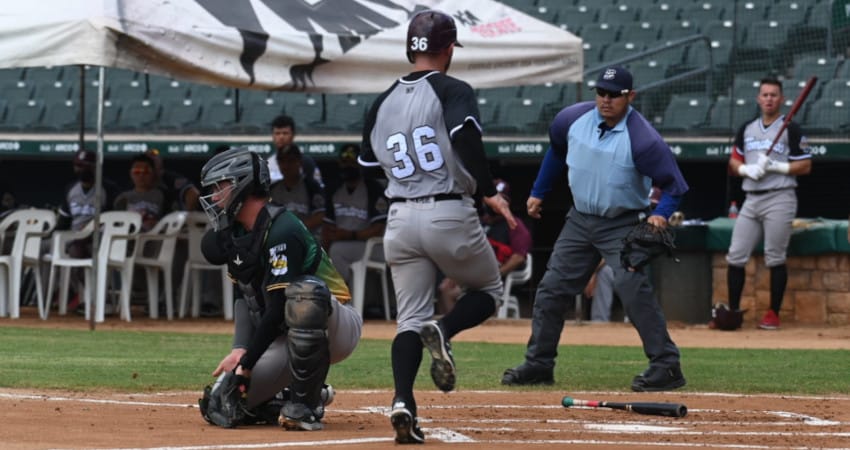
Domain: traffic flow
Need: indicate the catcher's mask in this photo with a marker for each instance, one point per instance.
(723, 318)
(228, 178)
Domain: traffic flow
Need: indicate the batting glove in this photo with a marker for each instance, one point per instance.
(753, 171)
(763, 161)
(778, 166)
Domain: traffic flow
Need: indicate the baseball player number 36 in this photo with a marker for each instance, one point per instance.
(428, 153)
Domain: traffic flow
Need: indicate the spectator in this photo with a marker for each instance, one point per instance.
(356, 211)
(510, 245)
(78, 209)
(771, 201)
(8, 201)
(145, 197)
(613, 156)
(283, 135)
(301, 195)
(180, 193)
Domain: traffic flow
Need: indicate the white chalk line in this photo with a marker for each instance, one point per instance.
(451, 435)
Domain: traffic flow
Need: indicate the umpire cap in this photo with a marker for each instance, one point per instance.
(430, 31)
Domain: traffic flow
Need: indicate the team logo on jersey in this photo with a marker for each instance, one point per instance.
(277, 260)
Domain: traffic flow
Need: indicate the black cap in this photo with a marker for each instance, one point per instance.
(85, 157)
(430, 31)
(615, 79)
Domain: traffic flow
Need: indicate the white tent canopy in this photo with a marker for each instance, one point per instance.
(345, 46)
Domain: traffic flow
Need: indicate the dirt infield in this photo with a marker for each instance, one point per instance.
(514, 419)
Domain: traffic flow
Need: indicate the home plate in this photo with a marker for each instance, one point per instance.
(635, 428)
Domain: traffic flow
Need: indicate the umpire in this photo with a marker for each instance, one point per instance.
(614, 159)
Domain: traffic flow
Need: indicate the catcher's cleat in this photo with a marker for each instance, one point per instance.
(299, 417)
(657, 379)
(524, 375)
(405, 424)
(442, 361)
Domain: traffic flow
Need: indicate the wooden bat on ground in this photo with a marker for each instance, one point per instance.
(652, 409)
(810, 84)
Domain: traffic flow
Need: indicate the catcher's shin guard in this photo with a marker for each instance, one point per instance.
(307, 309)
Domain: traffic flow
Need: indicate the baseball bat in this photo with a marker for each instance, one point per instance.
(810, 84)
(652, 409)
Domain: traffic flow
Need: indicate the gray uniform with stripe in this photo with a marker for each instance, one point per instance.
(771, 201)
(408, 134)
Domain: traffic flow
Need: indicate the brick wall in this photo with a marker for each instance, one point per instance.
(818, 291)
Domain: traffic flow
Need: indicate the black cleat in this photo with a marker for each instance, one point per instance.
(299, 417)
(657, 379)
(442, 361)
(405, 424)
(524, 375)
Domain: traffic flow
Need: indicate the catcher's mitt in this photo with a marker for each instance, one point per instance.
(643, 243)
(723, 318)
(223, 403)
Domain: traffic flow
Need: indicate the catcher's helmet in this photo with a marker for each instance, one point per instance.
(430, 31)
(246, 174)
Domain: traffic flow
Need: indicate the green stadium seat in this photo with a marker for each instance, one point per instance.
(574, 17)
(23, 115)
(600, 33)
(519, 116)
(138, 115)
(307, 110)
(621, 13)
(836, 89)
(166, 90)
(697, 55)
(645, 32)
(789, 12)
(738, 111)
(111, 112)
(827, 116)
(343, 113)
(721, 30)
(258, 113)
(251, 97)
(125, 92)
(822, 67)
(684, 113)
(541, 12)
(203, 92)
(488, 110)
(20, 91)
(748, 11)
(746, 86)
(592, 53)
(702, 12)
(179, 115)
(544, 93)
(60, 115)
(620, 50)
(661, 12)
(10, 77)
(218, 116)
(43, 75)
(843, 72)
(677, 29)
(500, 92)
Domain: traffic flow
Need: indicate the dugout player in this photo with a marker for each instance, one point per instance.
(424, 132)
(771, 201)
(293, 319)
(613, 157)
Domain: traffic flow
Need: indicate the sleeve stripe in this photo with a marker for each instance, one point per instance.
(467, 118)
(276, 286)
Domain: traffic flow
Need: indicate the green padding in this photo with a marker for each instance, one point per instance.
(820, 237)
(841, 236)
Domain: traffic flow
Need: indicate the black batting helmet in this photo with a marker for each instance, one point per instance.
(430, 31)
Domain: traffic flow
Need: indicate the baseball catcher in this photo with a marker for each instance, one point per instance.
(643, 243)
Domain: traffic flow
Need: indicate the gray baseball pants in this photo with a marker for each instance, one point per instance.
(767, 215)
(577, 251)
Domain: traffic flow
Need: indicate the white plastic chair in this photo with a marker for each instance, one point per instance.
(373, 259)
(117, 228)
(155, 253)
(197, 224)
(31, 225)
(510, 303)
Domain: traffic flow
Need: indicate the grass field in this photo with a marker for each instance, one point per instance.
(152, 361)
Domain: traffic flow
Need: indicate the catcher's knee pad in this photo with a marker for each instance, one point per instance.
(308, 305)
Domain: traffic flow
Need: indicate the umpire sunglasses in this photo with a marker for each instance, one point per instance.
(611, 94)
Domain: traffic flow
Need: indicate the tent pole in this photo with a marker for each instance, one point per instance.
(98, 196)
(82, 106)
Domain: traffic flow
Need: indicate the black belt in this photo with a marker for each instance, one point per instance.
(766, 191)
(436, 198)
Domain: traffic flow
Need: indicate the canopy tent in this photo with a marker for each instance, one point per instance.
(334, 46)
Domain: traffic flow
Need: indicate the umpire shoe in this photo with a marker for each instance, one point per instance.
(442, 361)
(657, 379)
(525, 375)
(299, 417)
(405, 424)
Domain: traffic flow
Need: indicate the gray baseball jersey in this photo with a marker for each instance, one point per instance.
(754, 138)
(432, 222)
(410, 135)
